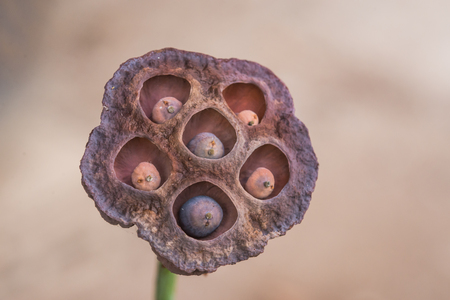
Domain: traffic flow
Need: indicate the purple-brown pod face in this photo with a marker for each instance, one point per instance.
(215, 94)
(248, 117)
(146, 177)
(261, 183)
(206, 145)
(200, 216)
(165, 109)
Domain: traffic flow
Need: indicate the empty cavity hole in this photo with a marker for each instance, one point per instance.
(208, 189)
(269, 157)
(245, 96)
(158, 87)
(140, 150)
(210, 120)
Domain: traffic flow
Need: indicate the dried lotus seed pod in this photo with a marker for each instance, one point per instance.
(248, 117)
(165, 109)
(213, 92)
(146, 177)
(200, 216)
(206, 145)
(261, 183)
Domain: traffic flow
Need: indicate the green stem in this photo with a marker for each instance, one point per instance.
(165, 284)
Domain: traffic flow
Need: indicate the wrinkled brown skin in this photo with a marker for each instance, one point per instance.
(257, 221)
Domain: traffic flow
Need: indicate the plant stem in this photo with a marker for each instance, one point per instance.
(165, 284)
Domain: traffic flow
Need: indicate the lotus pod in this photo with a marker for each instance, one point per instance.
(212, 92)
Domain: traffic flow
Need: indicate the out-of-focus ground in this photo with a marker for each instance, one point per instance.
(370, 79)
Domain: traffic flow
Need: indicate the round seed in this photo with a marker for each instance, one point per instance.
(200, 216)
(248, 117)
(260, 184)
(206, 145)
(146, 177)
(165, 109)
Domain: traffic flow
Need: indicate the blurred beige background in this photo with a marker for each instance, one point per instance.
(370, 79)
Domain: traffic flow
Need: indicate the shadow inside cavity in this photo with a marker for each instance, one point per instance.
(140, 150)
(208, 189)
(162, 86)
(209, 120)
(245, 96)
(269, 157)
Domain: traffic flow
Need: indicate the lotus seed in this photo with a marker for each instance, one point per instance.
(261, 183)
(165, 109)
(206, 145)
(200, 216)
(145, 177)
(248, 117)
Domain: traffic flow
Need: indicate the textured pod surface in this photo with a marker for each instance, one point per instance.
(212, 92)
